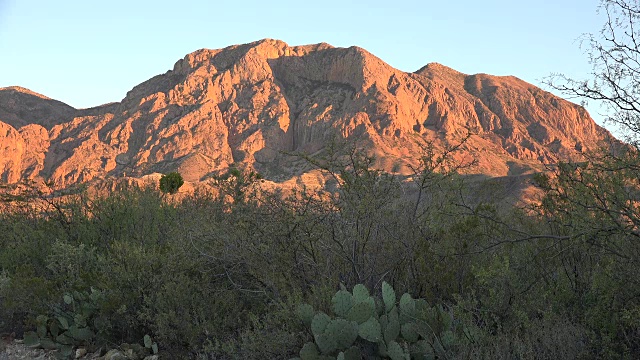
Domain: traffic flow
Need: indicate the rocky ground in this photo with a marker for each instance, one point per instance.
(15, 350)
(11, 349)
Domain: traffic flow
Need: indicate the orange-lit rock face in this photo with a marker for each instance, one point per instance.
(249, 104)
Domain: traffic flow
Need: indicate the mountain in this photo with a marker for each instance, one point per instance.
(254, 104)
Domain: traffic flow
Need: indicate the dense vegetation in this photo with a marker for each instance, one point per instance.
(223, 276)
(251, 274)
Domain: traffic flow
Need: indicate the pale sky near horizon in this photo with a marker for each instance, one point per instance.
(87, 53)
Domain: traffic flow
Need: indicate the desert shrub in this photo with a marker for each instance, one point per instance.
(126, 244)
(217, 277)
(545, 339)
(24, 244)
(274, 333)
(170, 183)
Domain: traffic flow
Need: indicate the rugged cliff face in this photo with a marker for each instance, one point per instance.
(250, 104)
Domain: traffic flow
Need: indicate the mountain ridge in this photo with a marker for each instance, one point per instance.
(252, 104)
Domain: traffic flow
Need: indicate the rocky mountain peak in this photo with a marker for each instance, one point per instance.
(21, 90)
(20, 106)
(251, 104)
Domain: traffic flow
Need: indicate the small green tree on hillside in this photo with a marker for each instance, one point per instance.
(171, 182)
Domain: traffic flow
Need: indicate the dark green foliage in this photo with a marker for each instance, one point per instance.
(237, 183)
(129, 245)
(216, 278)
(594, 208)
(171, 182)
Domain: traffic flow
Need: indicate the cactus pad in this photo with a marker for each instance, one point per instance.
(319, 323)
(407, 307)
(409, 332)
(343, 332)
(388, 296)
(309, 352)
(396, 352)
(326, 343)
(360, 293)
(342, 302)
(392, 330)
(361, 311)
(305, 313)
(370, 330)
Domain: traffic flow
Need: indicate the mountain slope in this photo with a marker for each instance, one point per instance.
(250, 104)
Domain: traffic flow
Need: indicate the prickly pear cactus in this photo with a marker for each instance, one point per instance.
(342, 302)
(319, 323)
(362, 311)
(71, 324)
(397, 330)
(388, 296)
(343, 332)
(306, 313)
(370, 330)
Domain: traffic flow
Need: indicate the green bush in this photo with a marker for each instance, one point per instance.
(209, 277)
(171, 182)
(273, 334)
(130, 245)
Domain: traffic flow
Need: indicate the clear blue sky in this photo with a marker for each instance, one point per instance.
(87, 53)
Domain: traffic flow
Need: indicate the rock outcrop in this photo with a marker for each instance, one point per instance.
(255, 103)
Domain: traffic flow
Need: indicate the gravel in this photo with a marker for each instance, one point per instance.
(17, 351)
